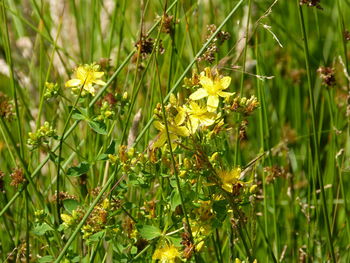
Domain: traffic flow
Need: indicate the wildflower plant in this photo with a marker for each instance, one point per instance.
(191, 127)
(42, 135)
(85, 78)
(168, 148)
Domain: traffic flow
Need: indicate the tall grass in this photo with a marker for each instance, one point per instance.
(93, 188)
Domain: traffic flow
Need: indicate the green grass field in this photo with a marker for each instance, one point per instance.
(174, 131)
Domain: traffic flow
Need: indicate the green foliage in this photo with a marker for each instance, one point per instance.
(173, 131)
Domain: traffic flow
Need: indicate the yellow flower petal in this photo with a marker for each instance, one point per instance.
(161, 140)
(212, 103)
(73, 83)
(86, 75)
(81, 73)
(98, 75)
(207, 121)
(195, 107)
(180, 117)
(193, 125)
(158, 125)
(205, 82)
(89, 88)
(199, 94)
(182, 131)
(224, 94)
(225, 82)
(99, 82)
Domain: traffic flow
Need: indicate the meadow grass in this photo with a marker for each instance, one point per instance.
(169, 131)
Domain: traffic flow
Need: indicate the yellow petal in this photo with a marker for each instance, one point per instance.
(162, 138)
(173, 99)
(193, 125)
(207, 121)
(205, 82)
(173, 139)
(81, 73)
(194, 106)
(180, 117)
(89, 88)
(159, 125)
(99, 82)
(182, 131)
(73, 83)
(225, 82)
(212, 103)
(225, 94)
(199, 94)
(98, 75)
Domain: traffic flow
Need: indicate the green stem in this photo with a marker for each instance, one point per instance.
(26, 197)
(237, 152)
(60, 147)
(314, 135)
(6, 40)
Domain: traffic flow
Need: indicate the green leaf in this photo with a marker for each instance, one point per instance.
(54, 158)
(133, 250)
(70, 205)
(41, 229)
(175, 199)
(77, 115)
(98, 127)
(149, 232)
(96, 237)
(176, 240)
(220, 208)
(76, 259)
(45, 259)
(82, 168)
(109, 150)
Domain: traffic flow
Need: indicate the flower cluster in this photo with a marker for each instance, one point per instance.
(17, 177)
(166, 254)
(86, 77)
(244, 105)
(185, 120)
(42, 135)
(51, 91)
(231, 180)
(327, 75)
(311, 3)
(6, 107)
(213, 86)
(213, 48)
(106, 112)
(99, 220)
(175, 126)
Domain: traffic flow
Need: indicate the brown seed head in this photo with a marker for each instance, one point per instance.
(17, 177)
(311, 3)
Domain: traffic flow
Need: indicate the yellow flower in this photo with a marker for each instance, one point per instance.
(237, 260)
(175, 129)
(229, 178)
(67, 219)
(199, 116)
(86, 76)
(166, 254)
(212, 87)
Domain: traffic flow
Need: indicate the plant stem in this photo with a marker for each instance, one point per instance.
(316, 156)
